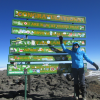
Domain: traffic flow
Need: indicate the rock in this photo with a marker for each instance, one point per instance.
(49, 86)
(68, 77)
(19, 98)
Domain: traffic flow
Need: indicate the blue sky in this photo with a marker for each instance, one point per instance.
(88, 8)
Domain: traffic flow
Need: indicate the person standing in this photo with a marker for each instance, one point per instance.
(78, 66)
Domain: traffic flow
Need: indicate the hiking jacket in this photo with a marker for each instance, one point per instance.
(77, 56)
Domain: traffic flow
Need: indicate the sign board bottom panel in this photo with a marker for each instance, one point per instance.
(39, 69)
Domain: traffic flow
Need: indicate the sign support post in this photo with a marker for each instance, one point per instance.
(25, 87)
(26, 79)
(28, 63)
(74, 88)
(26, 76)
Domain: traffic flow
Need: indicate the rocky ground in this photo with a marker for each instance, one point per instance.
(45, 87)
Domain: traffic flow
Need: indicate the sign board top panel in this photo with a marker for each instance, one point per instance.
(36, 69)
(39, 49)
(37, 24)
(30, 58)
(49, 16)
(32, 42)
(33, 32)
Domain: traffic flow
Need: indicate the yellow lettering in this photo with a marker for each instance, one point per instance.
(27, 57)
(52, 17)
(24, 57)
(48, 15)
(54, 25)
(71, 26)
(38, 16)
(26, 50)
(15, 57)
(64, 26)
(35, 24)
(41, 24)
(28, 23)
(45, 42)
(61, 18)
(75, 19)
(37, 42)
(57, 26)
(53, 33)
(34, 49)
(31, 14)
(35, 32)
(67, 26)
(42, 33)
(21, 57)
(64, 18)
(79, 19)
(51, 25)
(43, 16)
(47, 25)
(31, 49)
(58, 42)
(24, 14)
(32, 24)
(71, 18)
(41, 42)
(47, 33)
(57, 18)
(58, 34)
(68, 18)
(77, 27)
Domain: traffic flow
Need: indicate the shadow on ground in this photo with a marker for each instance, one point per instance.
(19, 95)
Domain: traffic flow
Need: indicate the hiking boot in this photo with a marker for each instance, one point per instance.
(83, 90)
(84, 98)
(76, 97)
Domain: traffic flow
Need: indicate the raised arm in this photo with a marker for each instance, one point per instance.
(63, 46)
(88, 60)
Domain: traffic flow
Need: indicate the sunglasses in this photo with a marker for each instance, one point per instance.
(75, 44)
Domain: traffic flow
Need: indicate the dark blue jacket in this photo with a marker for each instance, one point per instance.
(77, 56)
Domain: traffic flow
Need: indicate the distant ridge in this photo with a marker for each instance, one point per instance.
(3, 68)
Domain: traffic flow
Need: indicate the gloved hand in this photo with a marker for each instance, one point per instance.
(61, 39)
(95, 65)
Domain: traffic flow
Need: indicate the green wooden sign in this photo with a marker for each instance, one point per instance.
(33, 32)
(36, 49)
(49, 16)
(39, 69)
(35, 58)
(32, 42)
(36, 69)
(26, 23)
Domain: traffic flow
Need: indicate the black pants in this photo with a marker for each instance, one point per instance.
(79, 74)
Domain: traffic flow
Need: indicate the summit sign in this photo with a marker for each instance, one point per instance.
(49, 16)
(37, 24)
